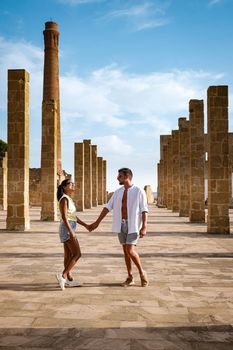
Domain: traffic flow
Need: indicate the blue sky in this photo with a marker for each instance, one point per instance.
(127, 71)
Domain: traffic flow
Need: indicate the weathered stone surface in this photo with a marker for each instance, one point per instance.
(218, 160)
(87, 174)
(100, 181)
(94, 176)
(18, 151)
(175, 171)
(3, 181)
(197, 161)
(104, 181)
(49, 176)
(79, 175)
(184, 148)
(149, 194)
(169, 173)
(188, 304)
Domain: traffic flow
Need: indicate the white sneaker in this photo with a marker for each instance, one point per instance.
(72, 283)
(61, 280)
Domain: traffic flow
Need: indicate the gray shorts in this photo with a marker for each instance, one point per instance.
(64, 233)
(125, 237)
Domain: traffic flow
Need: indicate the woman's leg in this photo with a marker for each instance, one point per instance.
(67, 257)
(75, 253)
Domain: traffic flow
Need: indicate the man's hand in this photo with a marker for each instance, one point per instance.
(142, 232)
(93, 226)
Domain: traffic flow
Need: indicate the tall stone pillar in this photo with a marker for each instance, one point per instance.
(49, 161)
(169, 174)
(51, 80)
(87, 174)
(79, 175)
(175, 171)
(18, 151)
(165, 163)
(104, 181)
(184, 167)
(94, 176)
(158, 184)
(100, 181)
(3, 181)
(161, 183)
(197, 161)
(218, 153)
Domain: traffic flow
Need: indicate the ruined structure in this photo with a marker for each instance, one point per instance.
(190, 169)
(79, 175)
(18, 151)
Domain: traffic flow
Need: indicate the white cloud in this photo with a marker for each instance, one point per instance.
(114, 145)
(79, 2)
(140, 17)
(214, 2)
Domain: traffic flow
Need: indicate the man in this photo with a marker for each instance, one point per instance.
(129, 205)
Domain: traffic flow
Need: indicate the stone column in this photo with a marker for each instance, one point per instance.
(94, 176)
(161, 183)
(218, 153)
(158, 184)
(18, 151)
(49, 176)
(87, 174)
(3, 181)
(100, 180)
(197, 161)
(169, 174)
(175, 171)
(163, 169)
(184, 167)
(51, 79)
(104, 181)
(79, 175)
(165, 162)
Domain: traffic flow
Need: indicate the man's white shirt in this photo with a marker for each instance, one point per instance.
(136, 205)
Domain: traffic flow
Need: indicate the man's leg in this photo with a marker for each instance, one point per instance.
(132, 254)
(128, 261)
(130, 248)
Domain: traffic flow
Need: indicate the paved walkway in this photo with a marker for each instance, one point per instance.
(188, 305)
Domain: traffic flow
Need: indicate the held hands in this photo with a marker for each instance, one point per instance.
(91, 227)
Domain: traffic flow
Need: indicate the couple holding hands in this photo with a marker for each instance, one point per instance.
(129, 205)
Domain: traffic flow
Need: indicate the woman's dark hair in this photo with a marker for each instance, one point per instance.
(60, 189)
(126, 171)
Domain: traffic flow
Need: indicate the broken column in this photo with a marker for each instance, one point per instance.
(100, 181)
(79, 175)
(184, 167)
(49, 161)
(18, 151)
(218, 162)
(87, 174)
(169, 173)
(197, 161)
(94, 176)
(175, 171)
(3, 181)
(104, 181)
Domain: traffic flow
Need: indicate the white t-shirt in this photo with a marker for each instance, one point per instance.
(136, 204)
(71, 210)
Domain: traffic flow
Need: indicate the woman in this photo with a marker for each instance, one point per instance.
(67, 233)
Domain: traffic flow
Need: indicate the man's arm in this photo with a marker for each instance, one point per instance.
(142, 232)
(102, 215)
